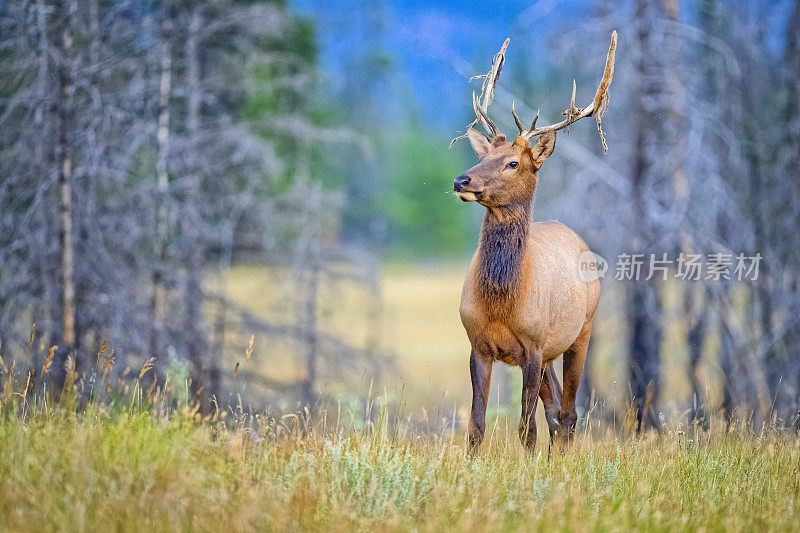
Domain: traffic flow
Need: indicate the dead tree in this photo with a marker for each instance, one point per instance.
(194, 244)
(65, 112)
(792, 60)
(162, 181)
(643, 303)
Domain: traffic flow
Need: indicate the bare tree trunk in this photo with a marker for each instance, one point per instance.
(694, 305)
(310, 334)
(43, 161)
(372, 341)
(308, 267)
(644, 310)
(220, 325)
(92, 152)
(193, 237)
(644, 297)
(792, 57)
(732, 389)
(162, 184)
(773, 364)
(65, 149)
(744, 383)
(41, 80)
(696, 310)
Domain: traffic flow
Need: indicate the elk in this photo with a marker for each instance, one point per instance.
(525, 302)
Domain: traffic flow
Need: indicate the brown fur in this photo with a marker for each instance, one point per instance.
(523, 302)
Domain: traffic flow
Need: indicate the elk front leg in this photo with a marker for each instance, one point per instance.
(550, 393)
(531, 381)
(480, 370)
(574, 360)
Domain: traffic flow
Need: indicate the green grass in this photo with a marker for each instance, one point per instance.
(110, 468)
(133, 459)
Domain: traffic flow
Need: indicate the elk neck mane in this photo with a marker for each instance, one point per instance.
(503, 242)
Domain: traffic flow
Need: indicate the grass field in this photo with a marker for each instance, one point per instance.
(421, 329)
(128, 460)
(130, 470)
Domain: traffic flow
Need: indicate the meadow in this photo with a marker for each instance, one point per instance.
(234, 232)
(126, 457)
(421, 332)
(110, 467)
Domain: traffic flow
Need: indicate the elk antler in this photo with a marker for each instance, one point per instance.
(480, 104)
(597, 107)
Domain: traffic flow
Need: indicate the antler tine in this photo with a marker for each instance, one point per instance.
(481, 103)
(572, 100)
(483, 117)
(521, 128)
(516, 119)
(574, 114)
(487, 89)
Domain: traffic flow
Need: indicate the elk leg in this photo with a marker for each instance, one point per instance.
(480, 371)
(550, 393)
(574, 359)
(531, 381)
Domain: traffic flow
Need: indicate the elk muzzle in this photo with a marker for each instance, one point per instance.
(459, 186)
(460, 182)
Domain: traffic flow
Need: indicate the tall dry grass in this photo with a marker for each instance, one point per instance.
(133, 457)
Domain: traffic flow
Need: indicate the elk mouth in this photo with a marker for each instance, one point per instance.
(469, 196)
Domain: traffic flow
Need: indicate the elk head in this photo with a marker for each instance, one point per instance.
(508, 171)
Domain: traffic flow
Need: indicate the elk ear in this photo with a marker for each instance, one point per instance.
(543, 148)
(479, 143)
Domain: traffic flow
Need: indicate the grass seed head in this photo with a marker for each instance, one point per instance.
(108, 362)
(249, 352)
(102, 350)
(151, 389)
(147, 366)
(48, 362)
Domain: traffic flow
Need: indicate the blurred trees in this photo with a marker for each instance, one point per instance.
(649, 171)
(146, 146)
(422, 215)
(397, 183)
(141, 143)
(703, 127)
(747, 123)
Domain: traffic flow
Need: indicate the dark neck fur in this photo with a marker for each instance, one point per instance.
(504, 238)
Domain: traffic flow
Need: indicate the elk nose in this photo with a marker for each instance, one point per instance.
(460, 182)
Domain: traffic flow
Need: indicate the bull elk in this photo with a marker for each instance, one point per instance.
(524, 301)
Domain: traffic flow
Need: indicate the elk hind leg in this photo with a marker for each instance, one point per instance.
(574, 361)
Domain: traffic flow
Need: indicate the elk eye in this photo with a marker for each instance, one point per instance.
(512, 164)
